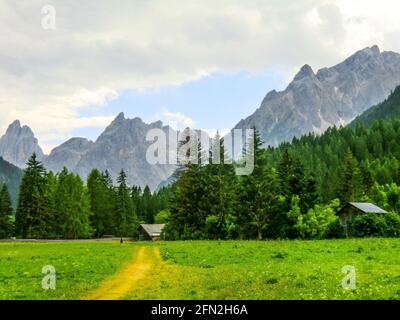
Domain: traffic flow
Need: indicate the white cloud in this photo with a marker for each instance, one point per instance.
(177, 120)
(103, 47)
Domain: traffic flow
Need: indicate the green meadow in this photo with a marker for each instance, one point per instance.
(79, 267)
(204, 269)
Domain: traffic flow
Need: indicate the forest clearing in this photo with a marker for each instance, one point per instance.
(296, 269)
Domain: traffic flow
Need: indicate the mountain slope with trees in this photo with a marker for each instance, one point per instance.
(388, 109)
(10, 175)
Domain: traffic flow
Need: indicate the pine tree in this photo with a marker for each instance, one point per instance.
(147, 206)
(285, 168)
(136, 195)
(296, 178)
(49, 194)
(72, 206)
(309, 195)
(291, 175)
(187, 215)
(350, 186)
(33, 216)
(102, 204)
(259, 194)
(220, 183)
(125, 218)
(6, 211)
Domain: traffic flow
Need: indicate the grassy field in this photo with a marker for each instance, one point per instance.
(79, 267)
(204, 269)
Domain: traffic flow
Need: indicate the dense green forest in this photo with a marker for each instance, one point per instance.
(52, 206)
(294, 191)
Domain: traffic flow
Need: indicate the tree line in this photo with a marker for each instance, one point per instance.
(52, 206)
(295, 189)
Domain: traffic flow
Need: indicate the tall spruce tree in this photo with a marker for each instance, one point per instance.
(258, 195)
(136, 195)
(147, 206)
(72, 206)
(220, 183)
(291, 175)
(350, 188)
(102, 204)
(125, 218)
(187, 215)
(33, 217)
(309, 195)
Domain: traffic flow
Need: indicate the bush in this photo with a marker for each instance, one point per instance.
(393, 224)
(315, 223)
(335, 230)
(369, 225)
(169, 233)
(212, 230)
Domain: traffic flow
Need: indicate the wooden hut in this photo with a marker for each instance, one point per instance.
(353, 209)
(150, 231)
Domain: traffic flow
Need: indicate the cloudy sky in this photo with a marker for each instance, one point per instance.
(202, 63)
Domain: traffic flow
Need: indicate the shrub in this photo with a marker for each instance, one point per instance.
(315, 223)
(212, 229)
(369, 225)
(335, 230)
(393, 224)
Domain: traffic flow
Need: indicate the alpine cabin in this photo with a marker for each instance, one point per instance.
(150, 231)
(353, 209)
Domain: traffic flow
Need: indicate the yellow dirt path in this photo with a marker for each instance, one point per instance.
(125, 280)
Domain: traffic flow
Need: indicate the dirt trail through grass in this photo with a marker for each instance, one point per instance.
(126, 279)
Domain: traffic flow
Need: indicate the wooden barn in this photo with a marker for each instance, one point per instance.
(352, 209)
(150, 231)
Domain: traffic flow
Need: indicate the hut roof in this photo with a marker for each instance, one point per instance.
(367, 207)
(153, 230)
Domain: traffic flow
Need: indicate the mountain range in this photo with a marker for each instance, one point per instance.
(312, 102)
(122, 145)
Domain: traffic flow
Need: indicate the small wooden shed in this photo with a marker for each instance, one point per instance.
(353, 209)
(150, 231)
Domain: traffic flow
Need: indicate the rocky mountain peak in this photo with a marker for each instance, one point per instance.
(305, 72)
(366, 55)
(368, 52)
(18, 144)
(374, 50)
(16, 125)
(120, 117)
(76, 144)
